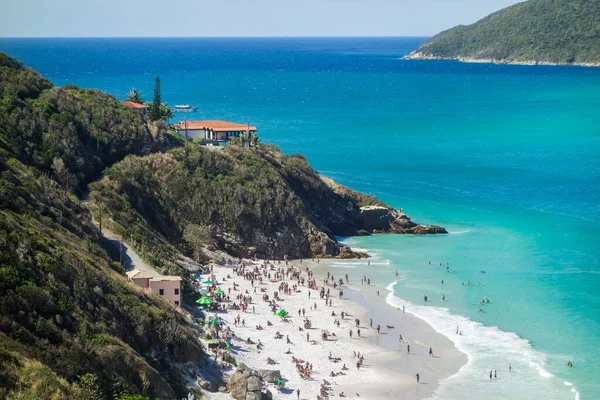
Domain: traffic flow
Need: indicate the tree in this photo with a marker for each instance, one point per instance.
(155, 106)
(245, 139)
(165, 112)
(197, 236)
(135, 96)
(253, 141)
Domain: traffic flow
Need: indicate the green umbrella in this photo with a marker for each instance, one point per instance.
(204, 301)
(213, 321)
(208, 282)
(212, 341)
(279, 382)
(219, 291)
(282, 313)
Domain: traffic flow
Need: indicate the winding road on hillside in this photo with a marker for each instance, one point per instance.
(131, 259)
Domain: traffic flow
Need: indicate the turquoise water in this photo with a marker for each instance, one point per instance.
(507, 158)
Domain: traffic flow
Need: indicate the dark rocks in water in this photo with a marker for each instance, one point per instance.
(381, 219)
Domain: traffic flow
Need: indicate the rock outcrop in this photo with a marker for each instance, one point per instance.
(246, 202)
(246, 384)
(385, 219)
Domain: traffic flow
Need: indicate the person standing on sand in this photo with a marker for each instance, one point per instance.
(298, 393)
(350, 333)
(495, 376)
(509, 368)
(408, 349)
(418, 377)
(378, 329)
(430, 352)
(371, 322)
(400, 338)
(490, 374)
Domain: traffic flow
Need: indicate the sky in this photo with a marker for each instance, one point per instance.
(238, 18)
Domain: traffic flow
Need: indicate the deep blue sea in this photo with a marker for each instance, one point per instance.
(507, 158)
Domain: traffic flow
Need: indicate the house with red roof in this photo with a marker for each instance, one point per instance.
(212, 132)
(142, 108)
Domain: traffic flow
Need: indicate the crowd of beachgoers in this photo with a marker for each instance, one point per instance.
(282, 316)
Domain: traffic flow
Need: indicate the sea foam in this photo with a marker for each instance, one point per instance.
(487, 348)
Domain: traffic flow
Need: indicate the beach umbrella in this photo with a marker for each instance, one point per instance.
(282, 313)
(213, 321)
(212, 342)
(279, 383)
(219, 291)
(204, 301)
(208, 282)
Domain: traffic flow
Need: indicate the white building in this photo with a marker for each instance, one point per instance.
(214, 132)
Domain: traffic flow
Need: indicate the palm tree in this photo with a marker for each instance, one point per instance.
(245, 138)
(253, 139)
(165, 112)
(135, 96)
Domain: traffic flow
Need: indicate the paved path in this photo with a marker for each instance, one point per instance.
(131, 259)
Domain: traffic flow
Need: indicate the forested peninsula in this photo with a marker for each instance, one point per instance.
(542, 32)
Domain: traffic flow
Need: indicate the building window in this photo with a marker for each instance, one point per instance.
(176, 302)
(176, 290)
(161, 292)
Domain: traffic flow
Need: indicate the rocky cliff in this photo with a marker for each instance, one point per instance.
(247, 202)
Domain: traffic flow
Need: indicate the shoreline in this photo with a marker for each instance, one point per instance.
(388, 371)
(470, 60)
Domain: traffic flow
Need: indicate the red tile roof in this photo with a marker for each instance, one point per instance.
(131, 104)
(215, 125)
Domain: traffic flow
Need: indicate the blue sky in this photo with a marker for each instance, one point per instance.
(101, 18)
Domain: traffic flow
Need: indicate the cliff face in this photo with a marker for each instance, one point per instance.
(245, 201)
(552, 32)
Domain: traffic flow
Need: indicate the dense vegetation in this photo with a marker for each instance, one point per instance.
(70, 133)
(71, 326)
(550, 31)
(246, 201)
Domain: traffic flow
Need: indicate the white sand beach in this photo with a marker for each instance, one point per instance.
(388, 370)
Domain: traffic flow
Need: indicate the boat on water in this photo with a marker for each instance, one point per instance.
(184, 108)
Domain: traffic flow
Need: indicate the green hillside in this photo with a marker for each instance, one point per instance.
(535, 31)
(71, 326)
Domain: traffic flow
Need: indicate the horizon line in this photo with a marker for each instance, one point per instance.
(214, 37)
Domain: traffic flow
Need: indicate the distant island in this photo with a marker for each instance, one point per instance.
(535, 32)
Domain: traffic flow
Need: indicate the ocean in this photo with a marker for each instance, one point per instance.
(507, 158)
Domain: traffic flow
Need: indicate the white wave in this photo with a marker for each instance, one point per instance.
(459, 232)
(541, 370)
(390, 287)
(487, 348)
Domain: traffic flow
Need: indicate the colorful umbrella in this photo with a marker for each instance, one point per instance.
(208, 282)
(212, 341)
(219, 291)
(213, 321)
(282, 313)
(204, 301)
